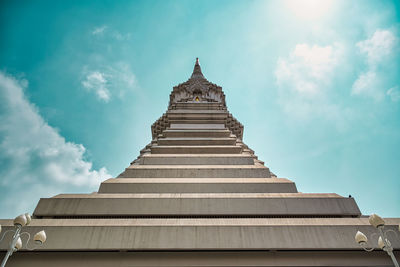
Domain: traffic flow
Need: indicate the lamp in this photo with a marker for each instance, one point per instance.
(383, 242)
(361, 238)
(40, 237)
(376, 221)
(16, 241)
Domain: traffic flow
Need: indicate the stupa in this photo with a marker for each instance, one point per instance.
(197, 195)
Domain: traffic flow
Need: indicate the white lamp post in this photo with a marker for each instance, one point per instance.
(16, 242)
(383, 241)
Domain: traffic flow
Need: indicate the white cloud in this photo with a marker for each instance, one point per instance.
(367, 84)
(116, 78)
(379, 46)
(99, 30)
(123, 78)
(35, 160)
(304, 81)
(394, 93)
(109, 32)
(379, 52)
(120, 36)
(308, 68)
(96, 81)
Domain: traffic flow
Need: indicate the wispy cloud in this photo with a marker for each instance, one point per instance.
(394, 94)
(308, 68)
(304, 78)
(35, 160)
(378, 52)
(107, 31)
(99, 30)
(97, 82)
(113, 79)
(121, 36)
(378, 47)
(367, 84)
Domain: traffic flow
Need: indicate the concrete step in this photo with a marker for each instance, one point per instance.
(195, 141)
(192, 159)
(204, 125)
(220, 242)
(247, 150)
(215, 106)
(197, 133)
(197, 116)
(197, 185)
(196, 111)
(196, 149)
(197, 204)
(195, 171)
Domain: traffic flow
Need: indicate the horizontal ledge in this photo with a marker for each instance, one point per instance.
(196, 217)
(218, 237)
(197, 155)
(197, 180)
(169, 130)
(163, 167)
(180, 258)
(202, 195)
(290, 221)
(197, 111)
(196, 138)
(192, 185)
(201, 124)
(196, 146)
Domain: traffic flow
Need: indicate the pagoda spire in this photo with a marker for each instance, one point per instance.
(197, 71)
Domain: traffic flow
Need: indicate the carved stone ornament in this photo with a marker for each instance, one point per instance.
(197, 89)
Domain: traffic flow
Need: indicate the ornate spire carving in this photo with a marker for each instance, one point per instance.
(197, 89)
(197, 71)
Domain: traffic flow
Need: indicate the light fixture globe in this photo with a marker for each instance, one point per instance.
(20, 220)
(381, 244)
(18, 244)
(40, 237)
(361, 238)
(376, 221)
(28, 218)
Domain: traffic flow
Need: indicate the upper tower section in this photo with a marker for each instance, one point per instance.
(197, 90)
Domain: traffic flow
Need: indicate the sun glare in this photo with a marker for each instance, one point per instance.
(309, 9)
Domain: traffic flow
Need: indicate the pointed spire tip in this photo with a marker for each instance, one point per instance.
(197, 70)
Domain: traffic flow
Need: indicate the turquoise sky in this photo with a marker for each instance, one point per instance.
(316, 85)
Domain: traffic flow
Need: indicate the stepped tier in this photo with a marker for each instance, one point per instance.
(196, 133)
(196, 171)
(200, 204)
(201, 141)
(197, 185)
(317, 234)
(194, 106)
(233, 149)
(197, 159)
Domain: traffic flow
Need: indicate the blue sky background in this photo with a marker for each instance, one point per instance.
(316, 85)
